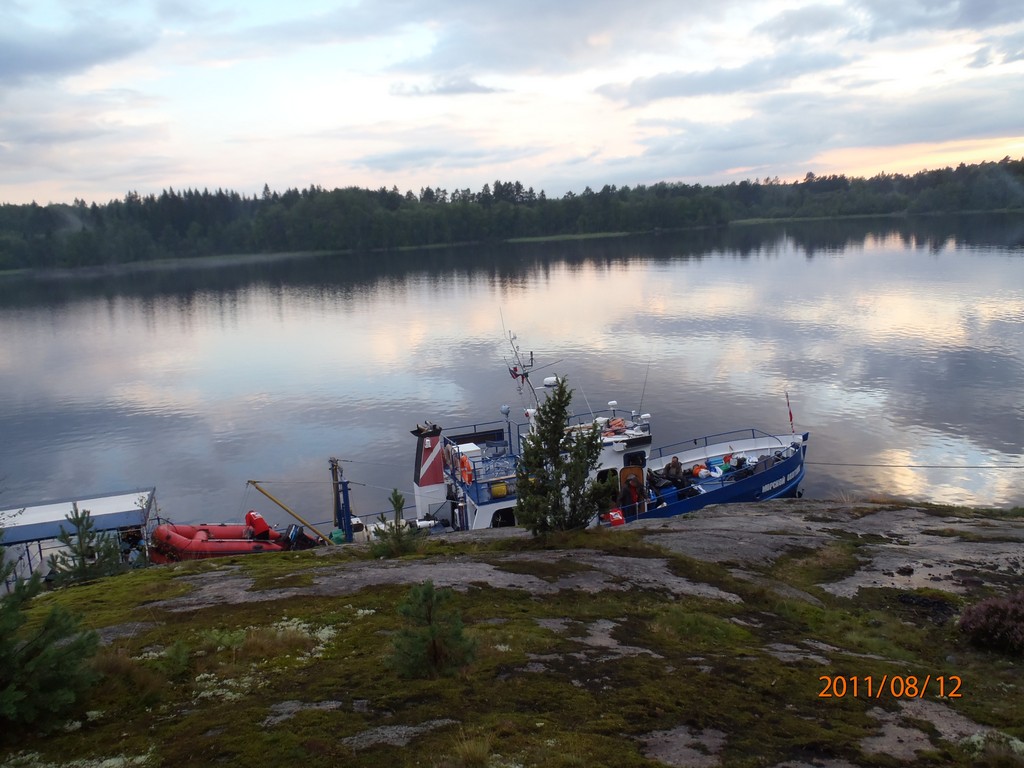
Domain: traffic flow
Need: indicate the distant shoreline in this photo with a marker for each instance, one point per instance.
(241, 259)
(157, 265)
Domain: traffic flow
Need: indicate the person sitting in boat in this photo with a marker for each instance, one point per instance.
(260, 528)
(631, 496)
(655, 480)
(675, 473)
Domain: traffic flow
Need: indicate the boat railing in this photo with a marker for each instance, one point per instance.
(705, 441)
(485, 471)
(478, 432)
(589, 417)
(722, 475)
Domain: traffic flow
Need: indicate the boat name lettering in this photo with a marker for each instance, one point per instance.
(780, 482)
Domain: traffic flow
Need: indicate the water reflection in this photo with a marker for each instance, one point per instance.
(900, 343)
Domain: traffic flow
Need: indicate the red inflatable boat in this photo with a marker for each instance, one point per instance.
(171, 543)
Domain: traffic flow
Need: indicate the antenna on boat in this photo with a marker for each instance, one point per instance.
(586, 400)
(644, 390)
(520, 369)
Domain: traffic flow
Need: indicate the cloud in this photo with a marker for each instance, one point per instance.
(786, 131)
(1008, 48)
(758, 75)
(22, 130)
(984, 57)
(28, 51)
(975, 14)
(809, 21)
(502, 36)
(884, 18)
(454, 153)
(454, 85)
(559, 95)
(347, 24)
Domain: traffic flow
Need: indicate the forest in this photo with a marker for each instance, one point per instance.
(193, 223)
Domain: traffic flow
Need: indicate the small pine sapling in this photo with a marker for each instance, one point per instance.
(44, 671)
(394, 538)
(87, 554)
(433, 642)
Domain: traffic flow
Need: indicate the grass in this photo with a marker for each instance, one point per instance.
(970, 513)
(700, 632)
(471, 751)
(957, 533)
(806, 569)
(570, 677)
(123, 598)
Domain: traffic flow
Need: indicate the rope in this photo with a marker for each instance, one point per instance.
(917, 466)
(244, 501)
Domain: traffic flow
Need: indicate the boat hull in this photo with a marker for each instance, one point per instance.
(172, 543)
(478, 487)
(781, 480)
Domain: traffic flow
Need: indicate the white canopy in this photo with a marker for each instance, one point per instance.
(44, 520)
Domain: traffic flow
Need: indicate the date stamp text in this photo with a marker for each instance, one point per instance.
(892, 686)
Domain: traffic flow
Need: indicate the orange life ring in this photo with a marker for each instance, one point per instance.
(466, 468)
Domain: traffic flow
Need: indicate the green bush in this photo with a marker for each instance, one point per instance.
(88, 554)
(176, 660)
(432, 643)
(395, 538)
(44, 670)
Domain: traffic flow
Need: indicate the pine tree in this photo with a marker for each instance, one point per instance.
(395, 538)
(43, 671)
(89, 554)
(432, 643)
(555, 491)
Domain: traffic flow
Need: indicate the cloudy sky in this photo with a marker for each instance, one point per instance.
(100, 98)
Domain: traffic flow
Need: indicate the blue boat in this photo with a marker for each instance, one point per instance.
(465, 479)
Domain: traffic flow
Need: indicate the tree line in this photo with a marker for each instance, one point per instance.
(193, 223)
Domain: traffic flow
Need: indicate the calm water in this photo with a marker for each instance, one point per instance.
(901, 346)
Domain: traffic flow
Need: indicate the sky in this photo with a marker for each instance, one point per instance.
(98, 99)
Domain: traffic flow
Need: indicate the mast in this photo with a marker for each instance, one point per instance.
(342, 507)
(255, 484)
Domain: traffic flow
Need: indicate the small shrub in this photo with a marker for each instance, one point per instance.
(44, 671)
(432, 643)
(395, 538)
(271, 642)
(992, 749)
(216, 640)
(126, 682)
(472, 752)
(175, 661)
(996, 624)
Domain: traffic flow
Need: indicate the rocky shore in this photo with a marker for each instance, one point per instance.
(736, 635)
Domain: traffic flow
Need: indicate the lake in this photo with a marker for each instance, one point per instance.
(899, 342)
